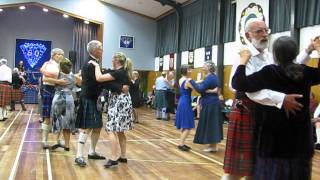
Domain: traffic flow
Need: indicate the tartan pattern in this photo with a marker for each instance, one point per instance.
(282, 169)
(161, 99)
(5, 95)
(88, 115)
(240, 147)
(16, 95)
(47, 97)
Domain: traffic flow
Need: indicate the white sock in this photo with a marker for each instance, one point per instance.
(5, 113)
(318, 135)
(93, 144)
(82, 140)
(45, 132)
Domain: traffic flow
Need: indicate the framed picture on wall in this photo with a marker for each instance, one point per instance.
(126, 42)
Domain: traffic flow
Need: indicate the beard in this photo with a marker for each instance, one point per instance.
(260, 44)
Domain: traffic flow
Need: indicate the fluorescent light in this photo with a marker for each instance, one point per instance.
(65, 16)
(86, 22)
(22, 7)
(1, 10)
(45, 10)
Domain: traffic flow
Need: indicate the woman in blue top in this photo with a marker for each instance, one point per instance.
(184, 114)
(209, 130)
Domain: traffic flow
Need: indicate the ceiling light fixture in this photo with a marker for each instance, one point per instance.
(65, 16)
(1, 10)
(22, 7)
(86, 22)
(45, 10)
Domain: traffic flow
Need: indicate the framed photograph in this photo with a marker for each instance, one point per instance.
(126, 42)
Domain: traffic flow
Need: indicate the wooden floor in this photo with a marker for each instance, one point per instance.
(151, 150)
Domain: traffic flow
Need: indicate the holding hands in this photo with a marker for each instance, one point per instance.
(245, 55)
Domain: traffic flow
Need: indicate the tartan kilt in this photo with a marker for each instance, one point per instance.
(16, 95)
(240, 147)
(5, 95)
(161, 99)
(47, 97)
(88, 116)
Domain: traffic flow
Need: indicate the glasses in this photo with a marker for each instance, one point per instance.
(260, 31)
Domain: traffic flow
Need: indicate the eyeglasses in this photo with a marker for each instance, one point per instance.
(260, 31)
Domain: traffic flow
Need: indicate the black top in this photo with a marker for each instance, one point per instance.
(280, 136)
(135, 93)
(120, 76)
(90, 88)
(16, 81)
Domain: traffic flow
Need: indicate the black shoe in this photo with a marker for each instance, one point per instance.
(110, 163)
(66, 149)
(56, 146)
(96, 156)
(80, 162)
(122, 160)
(183, 148)
(187, 146)
(158, 118)
(317, 146)
(45, 146)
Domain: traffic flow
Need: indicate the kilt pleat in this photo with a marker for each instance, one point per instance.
(5, 95)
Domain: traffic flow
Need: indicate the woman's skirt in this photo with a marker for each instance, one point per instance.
(282, 168)
(62, 111)
(120, 113)
(209, 130)
(240, 146)
(5, 95)
(88, 115)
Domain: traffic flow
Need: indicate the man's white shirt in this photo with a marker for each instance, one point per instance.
(257, 61)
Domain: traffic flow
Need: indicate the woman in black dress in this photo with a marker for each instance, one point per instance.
(135, 94)
(284, 139)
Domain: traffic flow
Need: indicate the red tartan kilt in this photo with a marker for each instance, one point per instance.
(16, 95)
(5, 95)
(240, 147)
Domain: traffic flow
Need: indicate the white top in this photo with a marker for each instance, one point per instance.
(5, 73)
(51, 67)
(317, 112)
(257, 61)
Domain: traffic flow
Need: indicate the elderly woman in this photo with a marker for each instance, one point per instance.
(5, 89)
(49, 69)
(119, 115)
(209, 130)
(16, 94)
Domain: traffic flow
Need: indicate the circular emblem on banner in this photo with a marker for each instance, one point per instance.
(253, 10)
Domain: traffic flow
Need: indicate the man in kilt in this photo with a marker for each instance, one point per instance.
(161, 102)
(16, 93)
(89, 117)
(5, 89)
(49, 69)
(239, 160)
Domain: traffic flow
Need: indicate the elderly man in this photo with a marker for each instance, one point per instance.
(89, 118)
(161, 102)
(49, 69)
(5, 89)
(240, 147)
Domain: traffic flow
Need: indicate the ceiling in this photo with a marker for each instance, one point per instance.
(150, 8)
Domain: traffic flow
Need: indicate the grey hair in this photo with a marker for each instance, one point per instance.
(94, 44)
(56, 51)
(3, 61)
(211, 66)
(249, 23)
(15, 70)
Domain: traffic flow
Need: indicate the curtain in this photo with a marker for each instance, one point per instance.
(279, 15)
(210, 23)
(191, 26)
(229, 34)
(166, 35)
(307, 13)
(82, 34)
